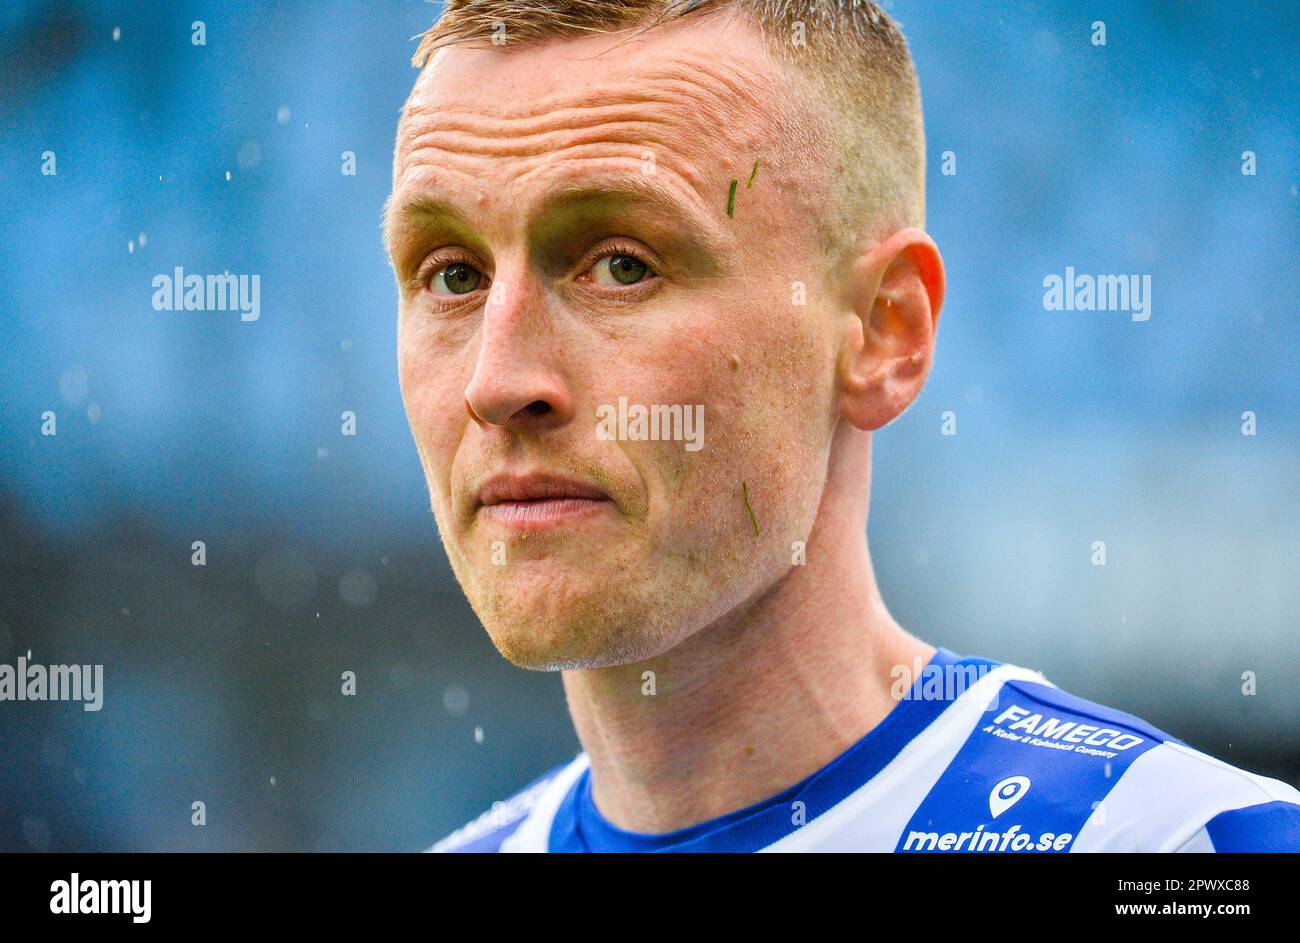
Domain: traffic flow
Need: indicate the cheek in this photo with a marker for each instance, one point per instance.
(762, 390)
(756, 370)
(434, 407)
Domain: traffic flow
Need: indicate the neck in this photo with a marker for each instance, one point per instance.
(747, 707)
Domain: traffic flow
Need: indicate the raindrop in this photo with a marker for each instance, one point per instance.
(285, 578)
(249, 155)
(357, 587)
(455, 699)
(36, 833)
(74, 384)
(53, 752)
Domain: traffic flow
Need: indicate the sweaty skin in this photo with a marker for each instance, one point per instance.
(536, 166)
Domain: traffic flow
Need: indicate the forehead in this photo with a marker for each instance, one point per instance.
(696, 96)
(495, 140)
(698, 99)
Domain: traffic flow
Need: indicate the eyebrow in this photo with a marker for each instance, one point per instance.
(619, 188)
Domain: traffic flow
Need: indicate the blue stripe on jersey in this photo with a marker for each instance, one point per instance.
(1269, 826)
(1032, 771)
(579, 826)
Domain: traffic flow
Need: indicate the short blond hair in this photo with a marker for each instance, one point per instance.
(848, 54)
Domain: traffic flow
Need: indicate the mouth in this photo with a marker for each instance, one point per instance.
(537, 501)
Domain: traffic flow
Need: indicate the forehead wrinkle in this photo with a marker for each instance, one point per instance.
(440, 155)
(430, 172)
(702, 95)
(655, 123)
(722, 89)
(442, 141)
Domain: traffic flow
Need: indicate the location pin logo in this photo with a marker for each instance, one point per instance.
(1007, 793)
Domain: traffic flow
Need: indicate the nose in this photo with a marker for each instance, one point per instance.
(517, 382)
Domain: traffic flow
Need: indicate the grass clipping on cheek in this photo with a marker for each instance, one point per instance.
(744, 487)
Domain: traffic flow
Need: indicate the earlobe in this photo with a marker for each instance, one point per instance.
(887, 344)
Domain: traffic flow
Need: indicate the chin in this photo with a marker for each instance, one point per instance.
(601, 633)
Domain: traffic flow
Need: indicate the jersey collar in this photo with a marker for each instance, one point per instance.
(579, 826)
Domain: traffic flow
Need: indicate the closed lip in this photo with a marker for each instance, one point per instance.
(536, 486)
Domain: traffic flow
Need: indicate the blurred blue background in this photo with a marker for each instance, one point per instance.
(322, 555)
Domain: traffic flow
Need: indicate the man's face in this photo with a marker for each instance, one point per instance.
(561, 240)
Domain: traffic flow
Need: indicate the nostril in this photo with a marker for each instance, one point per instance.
(538, 407)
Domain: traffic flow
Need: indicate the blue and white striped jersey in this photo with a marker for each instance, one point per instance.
(977, 756)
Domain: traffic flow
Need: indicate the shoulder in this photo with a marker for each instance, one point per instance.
(490, 830)
(1057, 764)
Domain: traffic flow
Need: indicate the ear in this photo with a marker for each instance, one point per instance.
(895, 288)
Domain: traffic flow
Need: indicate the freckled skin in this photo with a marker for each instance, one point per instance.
(494, 130)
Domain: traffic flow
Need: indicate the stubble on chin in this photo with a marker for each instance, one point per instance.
(554, 628)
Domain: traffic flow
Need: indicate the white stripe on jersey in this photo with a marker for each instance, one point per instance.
(1198, 843)
(1129, 820)
(893, 794)
(534, 834)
